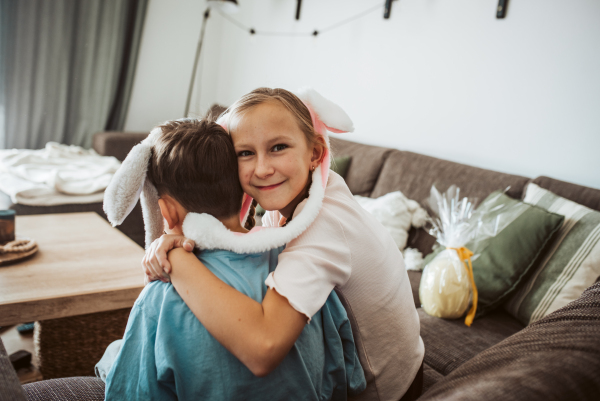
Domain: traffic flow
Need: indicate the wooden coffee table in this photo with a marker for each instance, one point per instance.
(82, 281)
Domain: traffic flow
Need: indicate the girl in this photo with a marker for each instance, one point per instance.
(280, 138)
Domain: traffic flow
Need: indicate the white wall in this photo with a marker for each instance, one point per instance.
(166, 57)
(443, 78)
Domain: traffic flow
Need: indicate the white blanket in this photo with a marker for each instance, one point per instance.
(398, 214)
(56, 175)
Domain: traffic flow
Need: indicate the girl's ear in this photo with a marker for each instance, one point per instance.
(319, 149)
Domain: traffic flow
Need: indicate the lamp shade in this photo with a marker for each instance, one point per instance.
(227, 6)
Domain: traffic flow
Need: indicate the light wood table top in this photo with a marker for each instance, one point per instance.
(83, 265)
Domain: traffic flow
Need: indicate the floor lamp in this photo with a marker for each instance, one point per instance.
(227, 6)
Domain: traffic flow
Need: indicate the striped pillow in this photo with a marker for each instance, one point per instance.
(571, 264)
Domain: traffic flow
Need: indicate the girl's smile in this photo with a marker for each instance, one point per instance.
(274, 158)
(268, 187)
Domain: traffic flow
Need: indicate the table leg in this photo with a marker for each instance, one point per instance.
(71, 346)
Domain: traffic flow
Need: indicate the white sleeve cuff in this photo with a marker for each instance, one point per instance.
(270, 282)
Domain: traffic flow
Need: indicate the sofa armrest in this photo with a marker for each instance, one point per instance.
(10, 387)
(115, 143)
(82, 388)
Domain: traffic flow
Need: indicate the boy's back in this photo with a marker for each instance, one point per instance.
(168, 354)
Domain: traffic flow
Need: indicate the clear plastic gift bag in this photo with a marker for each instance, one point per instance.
(447, 285)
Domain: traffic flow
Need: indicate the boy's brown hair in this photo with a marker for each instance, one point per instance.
(194, 162)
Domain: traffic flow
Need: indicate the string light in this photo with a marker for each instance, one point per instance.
(315, 33)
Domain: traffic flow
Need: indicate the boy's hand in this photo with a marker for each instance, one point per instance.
(155, 262)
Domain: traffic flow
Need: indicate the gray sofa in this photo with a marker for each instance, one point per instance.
(558, 357)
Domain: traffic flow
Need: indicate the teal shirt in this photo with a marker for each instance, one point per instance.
(167, 354)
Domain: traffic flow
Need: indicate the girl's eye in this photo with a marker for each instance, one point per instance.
(244, 153)
(280, 147)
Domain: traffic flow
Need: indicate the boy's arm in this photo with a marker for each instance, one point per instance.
(259, 335)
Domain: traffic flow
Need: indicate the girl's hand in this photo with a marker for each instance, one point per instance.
(155, 260)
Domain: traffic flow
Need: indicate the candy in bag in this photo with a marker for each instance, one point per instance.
(445, 289)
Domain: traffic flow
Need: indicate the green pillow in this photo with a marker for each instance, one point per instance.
(501, 262)
(340, 165)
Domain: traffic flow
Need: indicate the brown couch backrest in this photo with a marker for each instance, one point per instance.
(413, 174)
(365, 164)
(116, 143)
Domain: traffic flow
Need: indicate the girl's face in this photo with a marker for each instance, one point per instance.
(274, 158)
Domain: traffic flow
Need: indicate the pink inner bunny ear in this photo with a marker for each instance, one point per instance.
(245, 207)
(334, 130)
(325, 168)
(321, 128)
(314, 118)
(222, 121)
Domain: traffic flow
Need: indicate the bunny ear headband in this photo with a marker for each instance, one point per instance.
(325, 116)
(130, 184)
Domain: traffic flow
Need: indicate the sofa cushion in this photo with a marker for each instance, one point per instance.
(67, 389)
(555, 358)
(585, 196)
(340, 165)
(365, 165)
(449, 343)
(421, 240)
(571, 263)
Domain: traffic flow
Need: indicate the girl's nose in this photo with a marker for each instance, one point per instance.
(263, 168)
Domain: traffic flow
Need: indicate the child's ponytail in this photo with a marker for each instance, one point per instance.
(250, 220)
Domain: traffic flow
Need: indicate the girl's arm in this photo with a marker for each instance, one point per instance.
(259, 335)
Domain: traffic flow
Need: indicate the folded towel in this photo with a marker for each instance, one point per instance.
(56, 175)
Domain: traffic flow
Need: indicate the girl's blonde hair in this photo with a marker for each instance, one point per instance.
(288, 100)
(291, 102)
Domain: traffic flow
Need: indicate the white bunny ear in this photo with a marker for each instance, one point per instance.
(153, 220)
(129, 182)
(332, 115)
(124, 189)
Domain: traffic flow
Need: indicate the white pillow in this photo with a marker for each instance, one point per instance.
(397, 213)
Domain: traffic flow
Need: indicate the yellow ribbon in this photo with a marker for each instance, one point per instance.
(465, 254)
